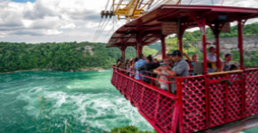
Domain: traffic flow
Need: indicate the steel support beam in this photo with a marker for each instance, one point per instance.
(139, 46)
(163, 45)
(240, 41)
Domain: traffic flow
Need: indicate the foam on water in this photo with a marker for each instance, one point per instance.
(86, 99)
(32, 101)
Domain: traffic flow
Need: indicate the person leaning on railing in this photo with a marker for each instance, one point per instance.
(138, 64)
(162, 74)
(180, 69)
(211, 61)
(148, 68)
(229, 64)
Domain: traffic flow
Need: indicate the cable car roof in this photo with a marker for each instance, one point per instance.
(150, 24)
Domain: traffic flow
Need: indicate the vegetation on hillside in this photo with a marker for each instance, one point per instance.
(128, 129)
(75, 56)
(250, 57)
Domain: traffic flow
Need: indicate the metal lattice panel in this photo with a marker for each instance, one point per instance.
(123, 85)
(136, 97)
(149, 103)
(234, 101)
(194, 109)
(128, 89)
(165, 113)
(206, 101)
(251, 94)
(217, 104)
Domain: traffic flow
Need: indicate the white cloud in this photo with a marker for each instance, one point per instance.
(66, 20)
(68, 26)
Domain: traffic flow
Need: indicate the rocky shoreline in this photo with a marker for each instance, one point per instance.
(37, 69)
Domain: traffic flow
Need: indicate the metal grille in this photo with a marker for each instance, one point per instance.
(206, 101)
(251, 94)
(165, 113)
(234, 98)
(123, 85)
(149, 103)
(113, 78)
(217, 100)
(193, 104)
(128, 90)
(136, 97)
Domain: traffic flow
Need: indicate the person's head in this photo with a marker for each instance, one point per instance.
(136, 59)
(228, 57)
(155, 60)
(127, 62)
(195, 58)
(149, 59)
(167, 61)
(212, 50)
(233, 67)
(176, 55)
(141, 56)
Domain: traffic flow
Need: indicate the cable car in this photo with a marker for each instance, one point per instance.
(204, 102)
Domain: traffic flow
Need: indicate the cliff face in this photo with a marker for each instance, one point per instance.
(228, 44)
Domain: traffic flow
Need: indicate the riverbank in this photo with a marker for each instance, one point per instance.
(38, 69)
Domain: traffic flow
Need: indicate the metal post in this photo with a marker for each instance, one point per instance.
(217, 50)
(181, 29)
(123, 48)
(240, 42)
(180, 43)
(138, 44)
(203, 31)
(163, 45)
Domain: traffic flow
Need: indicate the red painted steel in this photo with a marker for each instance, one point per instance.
(201, 102)
(240, 41)
(163, 46)
(152, 21)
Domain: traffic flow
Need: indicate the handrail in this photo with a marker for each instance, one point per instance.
(146, 75)
(210, 93)
(225, 72)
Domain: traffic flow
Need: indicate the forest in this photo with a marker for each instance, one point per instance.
(67, 56)
(73, 56)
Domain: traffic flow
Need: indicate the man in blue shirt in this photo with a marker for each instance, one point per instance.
(138, 64)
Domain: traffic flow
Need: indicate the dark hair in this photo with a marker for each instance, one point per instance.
(118, 60)
(136, 59)
(177, 53)
(233, 67)
(150, 58)
(126, 62)
(228, 54)
(211, 48)
(141, 56)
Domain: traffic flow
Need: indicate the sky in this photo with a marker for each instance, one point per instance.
(36, 21)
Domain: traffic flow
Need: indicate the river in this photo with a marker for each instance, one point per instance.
(54, 101)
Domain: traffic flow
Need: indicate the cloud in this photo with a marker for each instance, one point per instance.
(67, 20)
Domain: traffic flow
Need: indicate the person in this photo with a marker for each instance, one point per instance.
(233, 67)
(228, 62)
(121, 63)
(138, 64)
(192, 60)
(211, 60)
(128, 66)
(180, 69)
(156, 60)
(162, 74)
(148, 68)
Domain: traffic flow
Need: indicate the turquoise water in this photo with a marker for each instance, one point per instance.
(52, 101)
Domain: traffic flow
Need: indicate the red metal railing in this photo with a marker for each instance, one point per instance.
(201, 102)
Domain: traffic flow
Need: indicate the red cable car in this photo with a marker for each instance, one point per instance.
(202, 102)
